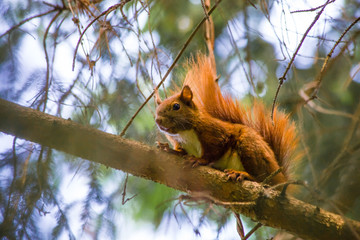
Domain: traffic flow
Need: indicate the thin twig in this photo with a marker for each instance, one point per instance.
(273, 174)
(336, 163)
(8, 213)
(205, 7)
(62, 214)
(197, 196)
(209, 30)
(248, 51)
(283, 77)
(315, 84)
(110, 9)
(239, 225)
(352, 77)
(66, 94)
(185, 199)
(29, 19)
(257, 226)
(123, 200)
(39, 168)
(238, 54)
(155, 49)
(323, 68)
(170, 68)
(136, 76)
(47, 83)
(308, 101)
(306, 149)
(311, 9)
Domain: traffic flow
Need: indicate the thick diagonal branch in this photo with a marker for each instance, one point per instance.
(249, 198)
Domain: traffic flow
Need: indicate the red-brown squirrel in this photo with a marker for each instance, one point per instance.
(218, 131)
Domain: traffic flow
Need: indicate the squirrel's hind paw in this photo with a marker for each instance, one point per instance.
(238, 175)
(194, 161)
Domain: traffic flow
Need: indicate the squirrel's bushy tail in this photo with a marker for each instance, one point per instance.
(280, 133)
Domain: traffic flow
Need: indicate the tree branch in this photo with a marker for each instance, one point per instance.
(266, 206)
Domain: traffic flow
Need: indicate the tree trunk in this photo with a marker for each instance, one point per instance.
(248, 198)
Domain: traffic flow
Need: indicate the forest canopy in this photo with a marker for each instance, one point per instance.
(97, 63)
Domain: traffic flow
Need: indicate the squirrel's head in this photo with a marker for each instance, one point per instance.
(177, 112)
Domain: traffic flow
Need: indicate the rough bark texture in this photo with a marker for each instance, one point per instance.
(264, 205)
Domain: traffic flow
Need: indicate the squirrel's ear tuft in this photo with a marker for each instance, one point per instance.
(186, 95)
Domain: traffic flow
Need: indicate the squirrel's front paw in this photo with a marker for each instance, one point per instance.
(194, 161)
(165, 147)
(238, 175)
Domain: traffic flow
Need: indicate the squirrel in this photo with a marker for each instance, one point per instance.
(220, 132)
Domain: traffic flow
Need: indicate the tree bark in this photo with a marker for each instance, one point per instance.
(248, 198)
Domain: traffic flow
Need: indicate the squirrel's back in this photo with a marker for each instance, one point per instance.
(280, 133)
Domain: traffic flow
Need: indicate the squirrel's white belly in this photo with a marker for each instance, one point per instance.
(230, 160)
(189, 141)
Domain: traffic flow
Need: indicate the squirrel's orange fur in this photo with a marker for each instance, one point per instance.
(280, 133)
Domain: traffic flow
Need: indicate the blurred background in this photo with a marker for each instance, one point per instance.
(101, 80)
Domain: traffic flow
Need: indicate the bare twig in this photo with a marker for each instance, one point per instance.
(311, 9)
(273, 174)
(324, 66)
(308, 101)
(336, 163)
(47, 81)
(201, 198)
(137, 75)
(283, 77)
(352, 77)
(8, 214)
(170, 68)
(257, 226)
(247, 50)
(66, 95)
(110, 9)
(186, 199)
(306, 149)
(123, 200)
(58, 8)
(67, 226)
(206, 5)
(239, 225)
(209, 29)
(238, 54)
(155, 49)
(205, 198)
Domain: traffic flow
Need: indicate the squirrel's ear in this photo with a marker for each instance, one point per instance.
(217, 78)
(157, 97)
(186, 95)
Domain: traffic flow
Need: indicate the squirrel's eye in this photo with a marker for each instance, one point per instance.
(176, 106)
